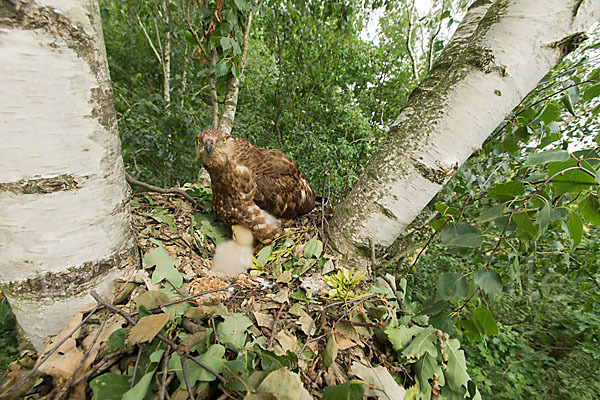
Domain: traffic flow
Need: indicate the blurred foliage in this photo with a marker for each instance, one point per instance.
(8, 335)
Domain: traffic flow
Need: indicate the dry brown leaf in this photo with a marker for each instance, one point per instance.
(287, 342)
(151, 298)
(307, 324)
(263, 320)
(147, 328)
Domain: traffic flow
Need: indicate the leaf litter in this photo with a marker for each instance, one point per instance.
(175, 331)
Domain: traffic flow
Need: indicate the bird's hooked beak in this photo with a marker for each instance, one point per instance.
(208, 146)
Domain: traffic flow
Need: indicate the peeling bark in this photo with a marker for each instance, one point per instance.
(65, 226)
(496, 56)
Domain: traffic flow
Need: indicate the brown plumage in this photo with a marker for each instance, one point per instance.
(252, 186)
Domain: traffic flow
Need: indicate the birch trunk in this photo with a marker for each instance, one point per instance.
(497, 55)
(233, 86)
(64, 212)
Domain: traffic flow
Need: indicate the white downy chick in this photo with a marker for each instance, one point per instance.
(234, 257)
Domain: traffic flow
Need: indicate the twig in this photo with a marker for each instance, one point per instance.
(47, 355)
(185, 377)
(163, 385)
(135, 366)
(542, 186)
(325, 174)
(133, 181)
(69, 383)
(108, 360)
(275, 324)
(379, 325)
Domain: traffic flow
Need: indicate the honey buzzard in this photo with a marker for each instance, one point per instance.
(255, 187)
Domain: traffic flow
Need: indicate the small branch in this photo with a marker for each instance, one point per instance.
(325, 174)
(214, 97)
(160, 61)
(188, 298)
(542, 186)
(135, 366)
(163, 384)
(409, 49)
(182, 193)
(185, 378)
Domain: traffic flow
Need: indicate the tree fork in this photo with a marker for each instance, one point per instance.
(497, 55)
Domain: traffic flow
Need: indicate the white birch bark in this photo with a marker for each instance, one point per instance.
(64, 213)
(497, 55)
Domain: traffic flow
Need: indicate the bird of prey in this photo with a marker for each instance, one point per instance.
(254, 187)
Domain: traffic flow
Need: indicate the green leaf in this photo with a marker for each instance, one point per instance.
(313, 248)
(551, 113)
(575, 226)
(489, 281)
(165, 267)
(141, 388)
(116, 340)
(213, 357)
(545, 157)
(424, 369)
(507, 191)
(524, 223)
(452, 286)
(591, 92)
(241, 5)
(590, 209)
(269, 361)
(424, 342)
(232, 331)
(486, 321)
(225, 43)
(109, 386)
(263, 256)
(544, 216)
(461, 234)
(510, 144)
(566, 100)
(492, 213)
(571, 181)
(401, 336)
(456, 373)
(161, 215)
(331, 351)
(351, 390)
(221, 68)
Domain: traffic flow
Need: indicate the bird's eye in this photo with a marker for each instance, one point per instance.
(199, 140)
(224, 140)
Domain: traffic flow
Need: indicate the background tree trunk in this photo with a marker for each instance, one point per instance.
(64, 211)
(497, 55)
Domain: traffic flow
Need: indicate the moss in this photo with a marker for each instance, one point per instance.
(59, 183)
(72, 281)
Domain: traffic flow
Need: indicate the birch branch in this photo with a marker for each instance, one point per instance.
(148, 38)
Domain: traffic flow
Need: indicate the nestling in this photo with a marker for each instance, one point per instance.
(235, 256)
(252, 186)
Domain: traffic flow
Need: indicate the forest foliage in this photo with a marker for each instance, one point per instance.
(506, 261)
